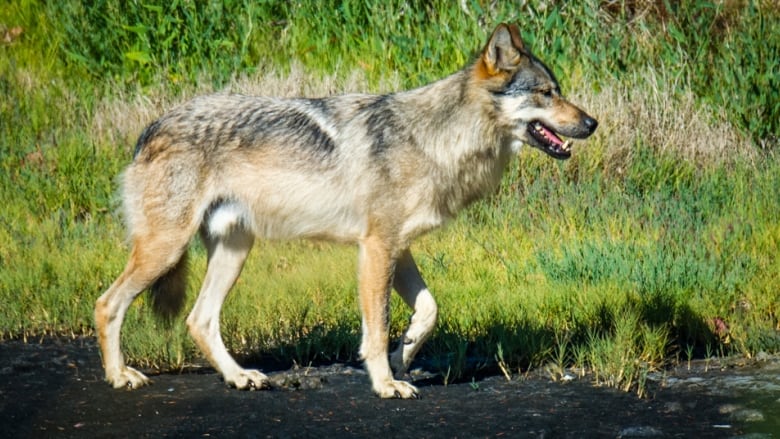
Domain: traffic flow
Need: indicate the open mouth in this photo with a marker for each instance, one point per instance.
(549, 142)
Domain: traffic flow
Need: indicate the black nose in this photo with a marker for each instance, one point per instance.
(590, 123)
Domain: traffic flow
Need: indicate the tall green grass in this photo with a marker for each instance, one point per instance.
(658, 238)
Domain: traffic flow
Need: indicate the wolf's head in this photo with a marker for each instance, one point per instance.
(527, 95)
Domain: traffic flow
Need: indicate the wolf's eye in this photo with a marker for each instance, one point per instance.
(547, 92)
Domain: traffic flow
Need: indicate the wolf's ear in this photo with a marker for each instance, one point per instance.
(504, 50)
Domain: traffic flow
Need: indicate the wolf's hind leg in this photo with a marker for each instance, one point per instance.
(150, 258)
(411, 287)
(226, 256)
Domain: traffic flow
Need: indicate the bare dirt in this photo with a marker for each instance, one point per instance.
(54, 388)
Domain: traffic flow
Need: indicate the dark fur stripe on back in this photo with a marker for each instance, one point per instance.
(382, 124)
(146, 135)
(296, 125)
(243, 123)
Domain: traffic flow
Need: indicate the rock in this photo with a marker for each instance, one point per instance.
(747, 415)
(673, 407)
(297, 382)
(643, 431)
(726, 409)
(763, 356)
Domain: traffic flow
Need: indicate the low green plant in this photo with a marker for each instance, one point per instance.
(659, 234)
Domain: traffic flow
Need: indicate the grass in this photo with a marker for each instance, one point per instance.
(656, 241)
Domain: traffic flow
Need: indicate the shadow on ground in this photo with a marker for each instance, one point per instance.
(55, 389)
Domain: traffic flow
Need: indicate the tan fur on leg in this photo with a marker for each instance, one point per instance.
(376, 267)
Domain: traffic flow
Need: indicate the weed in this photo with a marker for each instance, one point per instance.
(502, 363)
(661, 223)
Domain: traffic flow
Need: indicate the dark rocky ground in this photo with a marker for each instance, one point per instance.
(54, 388)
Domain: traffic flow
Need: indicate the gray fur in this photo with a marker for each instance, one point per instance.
(376, 171)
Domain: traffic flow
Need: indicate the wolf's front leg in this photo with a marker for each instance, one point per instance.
(376, 268)
(411, 287)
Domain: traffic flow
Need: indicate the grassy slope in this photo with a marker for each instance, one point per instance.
(659, 229)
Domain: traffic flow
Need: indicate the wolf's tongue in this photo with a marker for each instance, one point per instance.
(551, 135)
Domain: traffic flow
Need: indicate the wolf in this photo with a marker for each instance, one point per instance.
(372, 170)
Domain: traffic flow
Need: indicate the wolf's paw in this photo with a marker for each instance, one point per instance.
(127, 378)
(396, 389)
(248, 379)
(398, 365)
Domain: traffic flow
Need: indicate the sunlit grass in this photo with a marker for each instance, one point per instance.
(656, 240)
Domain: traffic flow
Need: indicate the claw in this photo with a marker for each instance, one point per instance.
(248, 380)
(263, 385)
(398, 390)
(127, 378)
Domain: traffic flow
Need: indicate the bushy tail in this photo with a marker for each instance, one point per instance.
(170, 290)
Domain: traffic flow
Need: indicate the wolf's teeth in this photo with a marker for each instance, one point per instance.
(566, 145)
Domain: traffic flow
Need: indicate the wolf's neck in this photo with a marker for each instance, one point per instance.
(452, 116)
(456, 125)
